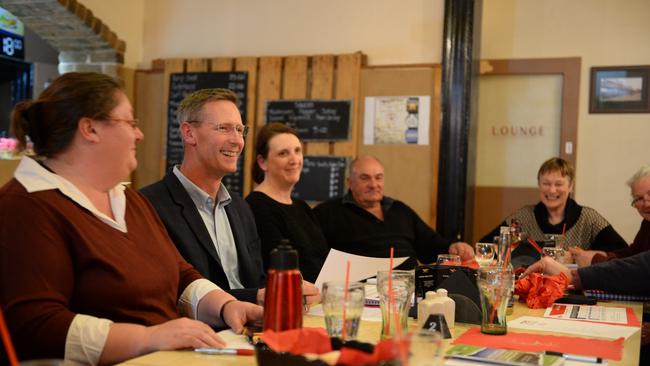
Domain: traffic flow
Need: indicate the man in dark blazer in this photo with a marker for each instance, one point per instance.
(185, 227)
(213, 230)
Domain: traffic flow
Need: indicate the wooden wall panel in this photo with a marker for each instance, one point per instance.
(294, 78)
(221, 64)
(410, 169)
(320, 77)
(269, 84)
(249, 64)
(493, 204)
(434, 133)
(322, 87)
(348, 68)
(127, 76)
(168, 66)
(149, 92)
(196, 65)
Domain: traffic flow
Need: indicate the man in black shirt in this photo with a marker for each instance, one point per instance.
(365, 222)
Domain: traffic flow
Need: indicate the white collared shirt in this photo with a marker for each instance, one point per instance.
(87, 334)
(216, 221)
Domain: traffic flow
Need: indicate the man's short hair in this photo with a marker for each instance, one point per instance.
(192, 105)
(357, 159)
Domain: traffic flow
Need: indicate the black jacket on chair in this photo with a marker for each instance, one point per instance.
(188, 232)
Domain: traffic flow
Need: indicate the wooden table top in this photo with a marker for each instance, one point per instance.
(369, 332)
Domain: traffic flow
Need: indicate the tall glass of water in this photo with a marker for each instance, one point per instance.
(336, 302)
(484, 253)
(394, 302)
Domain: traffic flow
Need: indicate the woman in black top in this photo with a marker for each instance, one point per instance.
(278, 216)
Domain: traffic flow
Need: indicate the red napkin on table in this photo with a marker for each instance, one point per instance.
(539, 291)
(316, 340)
(530, 342)
(298, 341)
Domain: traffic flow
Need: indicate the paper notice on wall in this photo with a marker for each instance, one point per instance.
(397, 120)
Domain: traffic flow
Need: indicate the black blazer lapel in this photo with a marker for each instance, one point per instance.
(190, 214)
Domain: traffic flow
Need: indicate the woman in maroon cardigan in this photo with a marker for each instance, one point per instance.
(640, 190)
(87, 271)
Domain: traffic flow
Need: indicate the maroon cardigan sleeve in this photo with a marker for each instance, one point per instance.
(36, 302)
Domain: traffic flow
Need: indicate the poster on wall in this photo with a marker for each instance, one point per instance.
(397, 120)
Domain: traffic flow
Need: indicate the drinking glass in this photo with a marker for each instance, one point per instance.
(425, 347)
(395, 308)
(448, 260)
(495, 285)
(484, 253)
(333, 298)
(556, 253)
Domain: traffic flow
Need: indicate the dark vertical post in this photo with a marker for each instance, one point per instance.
(461, 41)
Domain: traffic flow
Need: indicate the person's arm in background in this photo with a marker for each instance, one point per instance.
(624, 276)
(608, 240)
(640, 244)
(607, 245)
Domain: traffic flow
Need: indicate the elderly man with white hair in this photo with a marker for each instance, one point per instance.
(640, 191)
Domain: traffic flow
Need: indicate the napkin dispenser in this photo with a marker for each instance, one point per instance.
(460, 283)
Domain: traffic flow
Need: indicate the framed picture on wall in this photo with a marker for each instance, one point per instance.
(619, 89)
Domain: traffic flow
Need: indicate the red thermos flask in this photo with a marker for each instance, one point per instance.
(283, 297)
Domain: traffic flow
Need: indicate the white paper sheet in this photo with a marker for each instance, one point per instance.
(234, 340)
(572, 327)
(587, 313)
(360, 267)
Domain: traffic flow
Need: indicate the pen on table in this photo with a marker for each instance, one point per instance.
(226, 351)
(572, 357)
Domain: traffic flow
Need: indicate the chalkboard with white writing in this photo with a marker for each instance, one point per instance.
(180, 85)
(322, 178)
(313, 120)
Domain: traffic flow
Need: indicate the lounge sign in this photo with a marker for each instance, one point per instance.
(11, 35)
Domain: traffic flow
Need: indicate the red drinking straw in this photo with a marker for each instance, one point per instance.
(345, 297)
(498, 297)
(563, 241)
(536, 246)
(390, 290)
(11, 353)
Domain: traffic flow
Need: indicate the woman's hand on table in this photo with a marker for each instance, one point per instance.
(464, 250)
(549, 266)
(181, 333)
